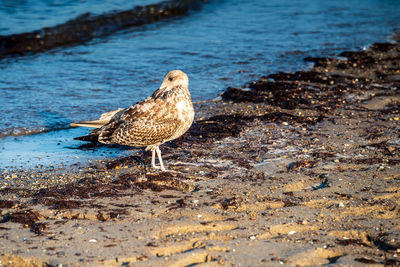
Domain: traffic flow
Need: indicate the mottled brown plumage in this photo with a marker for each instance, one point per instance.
(164, 116)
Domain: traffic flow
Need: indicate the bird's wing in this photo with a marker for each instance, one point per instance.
(111, 114)
(151, 107)
(139, 132)
(150, 121)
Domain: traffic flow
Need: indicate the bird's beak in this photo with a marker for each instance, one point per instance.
(160, 92)
(163, 89)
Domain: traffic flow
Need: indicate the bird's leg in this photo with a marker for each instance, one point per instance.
(153, 158)
(159, 158)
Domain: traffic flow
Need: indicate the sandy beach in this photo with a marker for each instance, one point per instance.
(294, 169)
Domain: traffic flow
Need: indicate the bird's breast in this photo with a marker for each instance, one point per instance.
(185, 111)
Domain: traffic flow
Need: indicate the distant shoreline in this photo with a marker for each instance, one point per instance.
(86, 27)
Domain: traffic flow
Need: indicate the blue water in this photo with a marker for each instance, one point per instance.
(19, 16)
(226, 43)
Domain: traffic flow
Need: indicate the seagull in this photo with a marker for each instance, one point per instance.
(164, 116)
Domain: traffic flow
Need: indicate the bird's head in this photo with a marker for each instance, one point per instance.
(174, 78)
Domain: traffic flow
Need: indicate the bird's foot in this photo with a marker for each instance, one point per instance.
(158, 167)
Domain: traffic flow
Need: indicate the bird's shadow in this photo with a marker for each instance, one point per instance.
(97, 145)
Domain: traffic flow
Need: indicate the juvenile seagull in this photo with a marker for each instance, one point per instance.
(160, 118)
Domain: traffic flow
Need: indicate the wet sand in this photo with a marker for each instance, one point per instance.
(294, 169)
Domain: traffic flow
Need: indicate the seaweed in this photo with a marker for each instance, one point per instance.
(27, 218)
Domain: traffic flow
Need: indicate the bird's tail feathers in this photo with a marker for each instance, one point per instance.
(104, 119)
(89, 124)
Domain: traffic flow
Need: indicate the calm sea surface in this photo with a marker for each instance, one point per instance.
(226, 43)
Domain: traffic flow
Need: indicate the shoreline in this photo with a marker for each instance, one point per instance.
(302, 169)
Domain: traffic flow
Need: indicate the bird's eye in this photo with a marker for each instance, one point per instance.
(170, 79)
